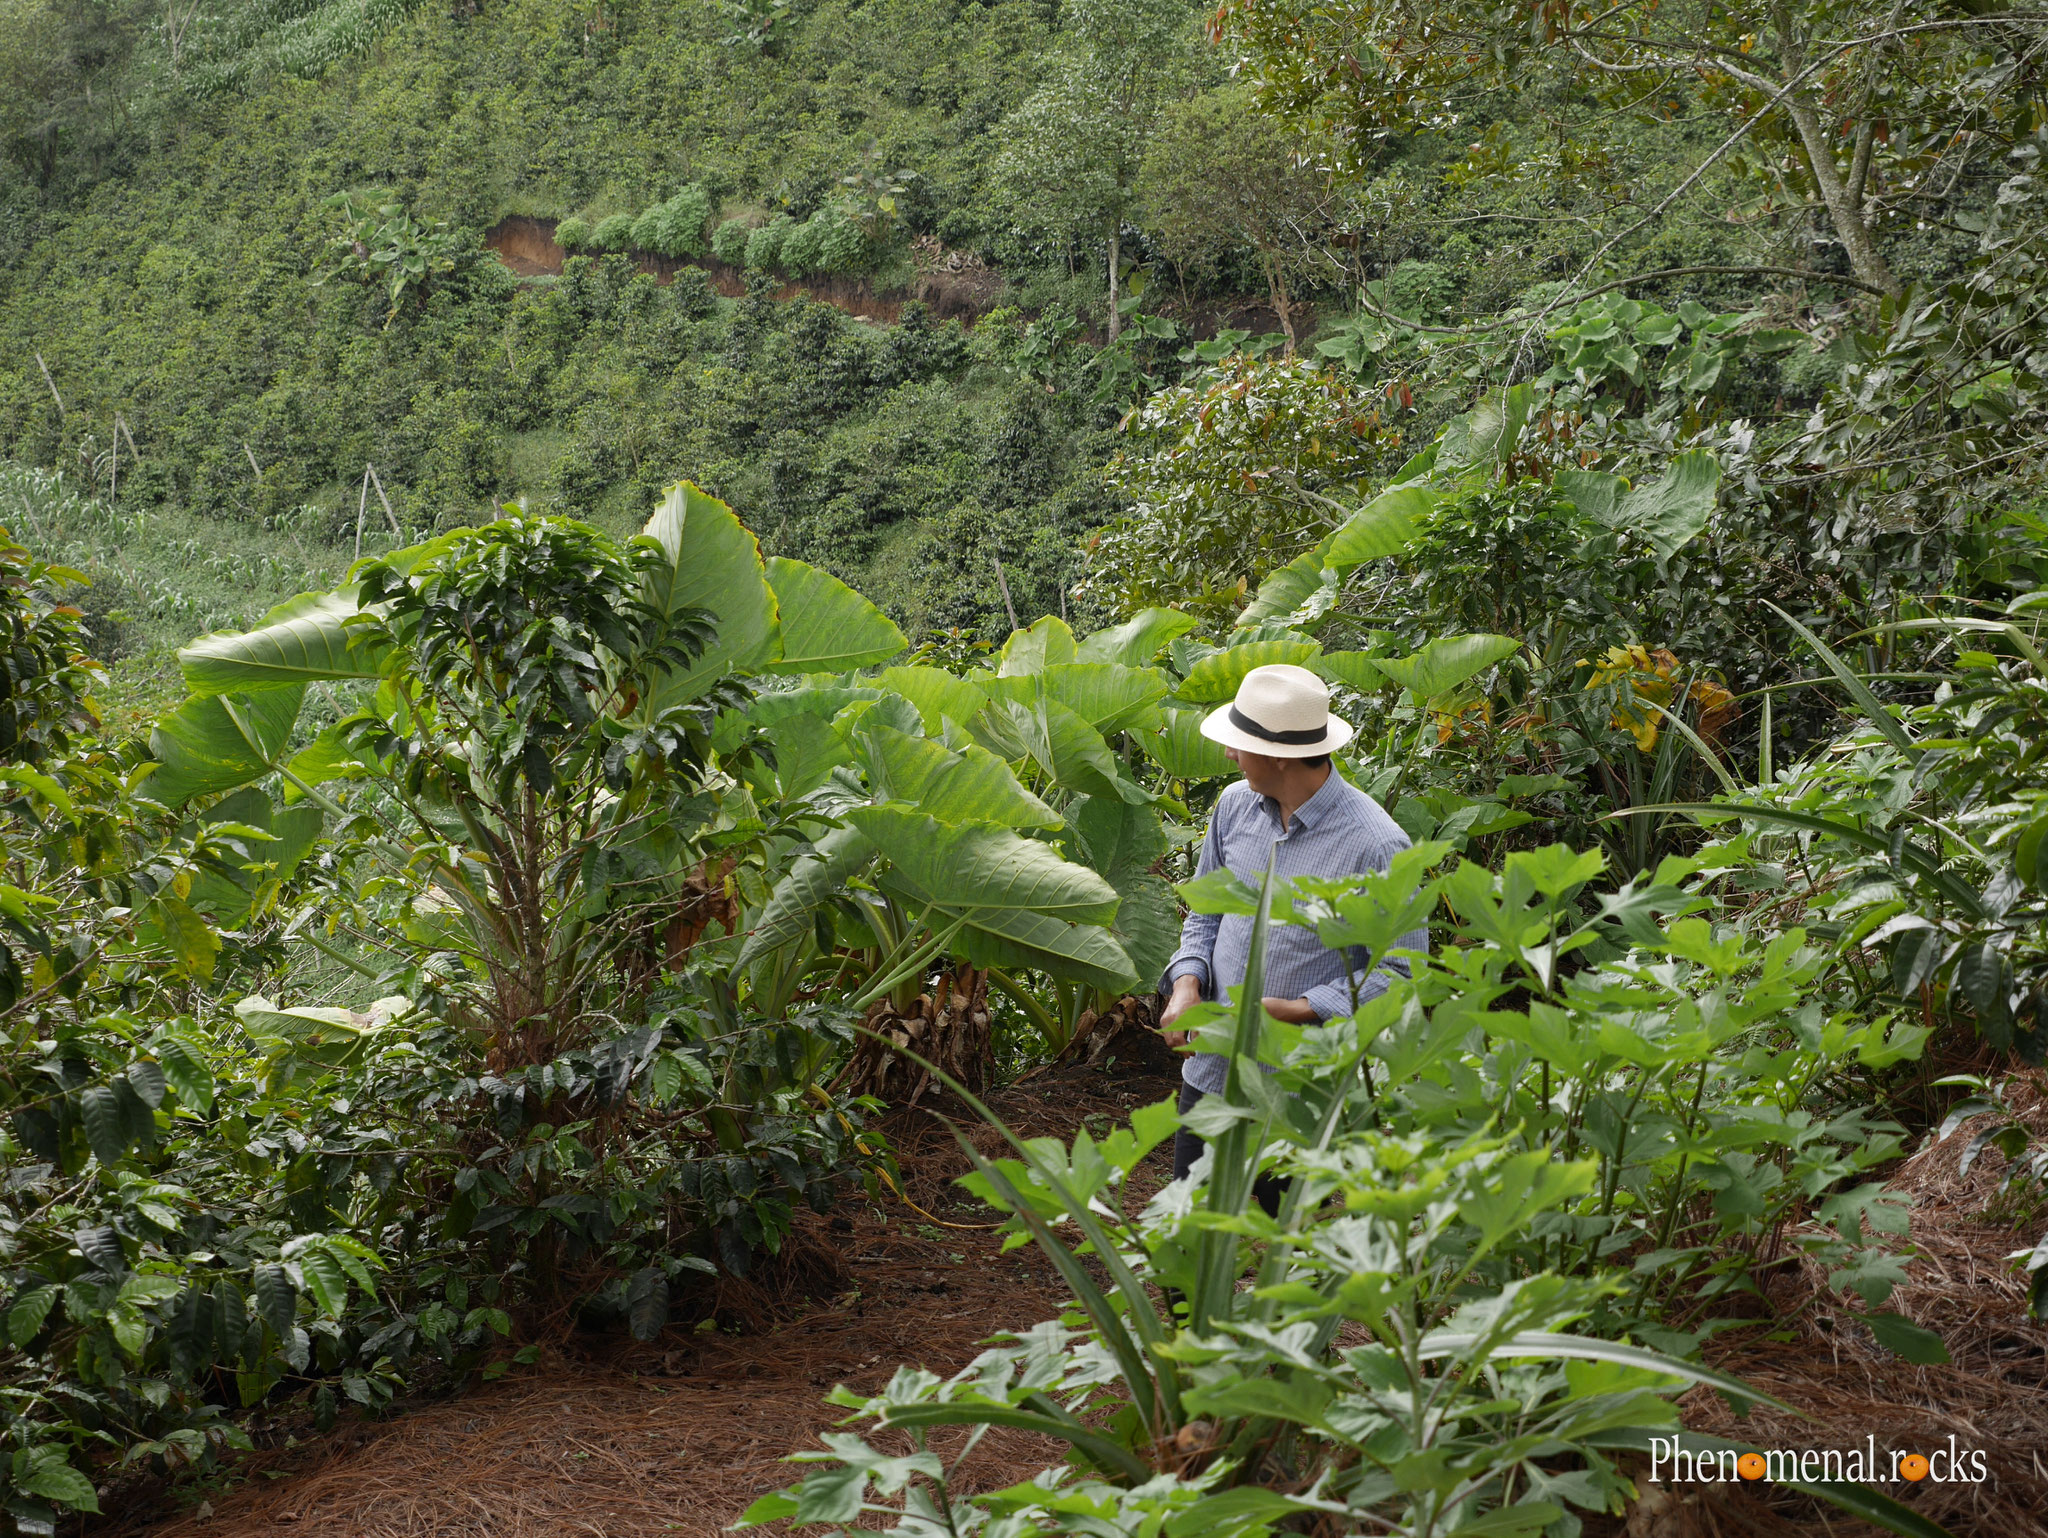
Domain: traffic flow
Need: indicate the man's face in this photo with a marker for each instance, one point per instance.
(1264, 773)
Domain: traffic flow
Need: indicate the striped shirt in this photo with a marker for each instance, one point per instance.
(1339, 831)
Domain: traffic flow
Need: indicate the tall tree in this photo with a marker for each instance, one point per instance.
(1072, 152)
(1222, 175)
(1863, 111)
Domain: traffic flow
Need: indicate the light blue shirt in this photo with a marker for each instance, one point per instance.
(1339, 831)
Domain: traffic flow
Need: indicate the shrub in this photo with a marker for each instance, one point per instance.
(803, 246)
(648, 229)
(729, 242)
(613, 234)
(573, 234)
(764, 245)
(842, 247)
(680, 228)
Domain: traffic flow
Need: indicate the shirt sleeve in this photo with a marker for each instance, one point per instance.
(1198, 930)
(1332, 999)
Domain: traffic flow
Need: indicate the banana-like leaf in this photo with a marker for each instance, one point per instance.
(219, 742)
(826, 626)
(1446, 662)
(1069, 750)
(988, 870)
(1016, 937)
(807, 749)
(1137, 640)
(1354, 669)
(1034, 650)
(1384, 526)
(1286, 589)
(1108, 696)
(709, 561)
(1182, 751)
(300, 640)
(938, 695)
(226, 899)
(971, 785)
(814, 879)
(1483, 438)
(1216, 677)
(1123, 843)
(1675, 507)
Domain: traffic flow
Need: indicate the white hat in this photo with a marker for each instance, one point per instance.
(1281, 711)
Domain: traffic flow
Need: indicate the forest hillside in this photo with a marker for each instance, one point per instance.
(612, 610)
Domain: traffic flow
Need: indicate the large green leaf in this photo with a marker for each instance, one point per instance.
(807, 749)
(1384, 526)
(1108, 696)
(968, 785)
(224, 898)
(1446, 662)
(826, 626)
(938, 696)
(1137, 640)
(1216, 677)
(709, 561)
(1182, 751)
(990, 870)
(1019, 937)
(1123, 843)
(1034, 650)
(219, 742)
(1483, 438)
(814, 879)
(300, 640)
(1286, 589)
(1673, 508)
(1354, 669)
(1066, 748)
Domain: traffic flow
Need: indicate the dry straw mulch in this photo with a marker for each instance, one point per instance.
(1991, 1395)
(620, 1440)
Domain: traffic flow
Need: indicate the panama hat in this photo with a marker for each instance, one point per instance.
(1281, 711)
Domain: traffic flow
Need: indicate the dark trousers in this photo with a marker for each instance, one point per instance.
(1187, 1148)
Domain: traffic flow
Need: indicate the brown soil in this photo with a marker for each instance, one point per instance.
(611, 1437)
(949, 284)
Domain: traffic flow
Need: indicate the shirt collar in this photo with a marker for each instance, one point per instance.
(1316, 807)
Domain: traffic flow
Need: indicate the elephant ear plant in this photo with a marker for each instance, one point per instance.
(1407, 1345)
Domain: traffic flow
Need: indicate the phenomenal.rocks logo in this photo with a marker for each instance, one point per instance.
(1866, 1465)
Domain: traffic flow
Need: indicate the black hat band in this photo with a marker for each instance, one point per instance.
(1302, 739)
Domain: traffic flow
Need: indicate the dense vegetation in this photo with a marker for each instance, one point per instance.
(513, 904)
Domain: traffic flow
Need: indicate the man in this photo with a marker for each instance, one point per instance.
(1280, 734)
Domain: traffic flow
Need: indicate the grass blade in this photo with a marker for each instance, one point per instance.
(1866, 702)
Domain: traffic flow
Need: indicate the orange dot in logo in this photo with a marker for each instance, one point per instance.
(1913, 1466)
(1750, 1465)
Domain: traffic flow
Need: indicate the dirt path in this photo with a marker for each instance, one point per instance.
(619, 1440)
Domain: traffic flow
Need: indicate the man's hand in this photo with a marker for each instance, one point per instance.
(1187, 993)
(1293, 1011)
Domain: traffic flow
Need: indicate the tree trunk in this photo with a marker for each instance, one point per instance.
(1115, 243)
(949, 1028)
(1283, 303)
(1844, 205)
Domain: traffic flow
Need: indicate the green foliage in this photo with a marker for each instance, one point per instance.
(1487, 1272)
(729, 243)
(396, 254)
(573, 234)
(612, 233)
